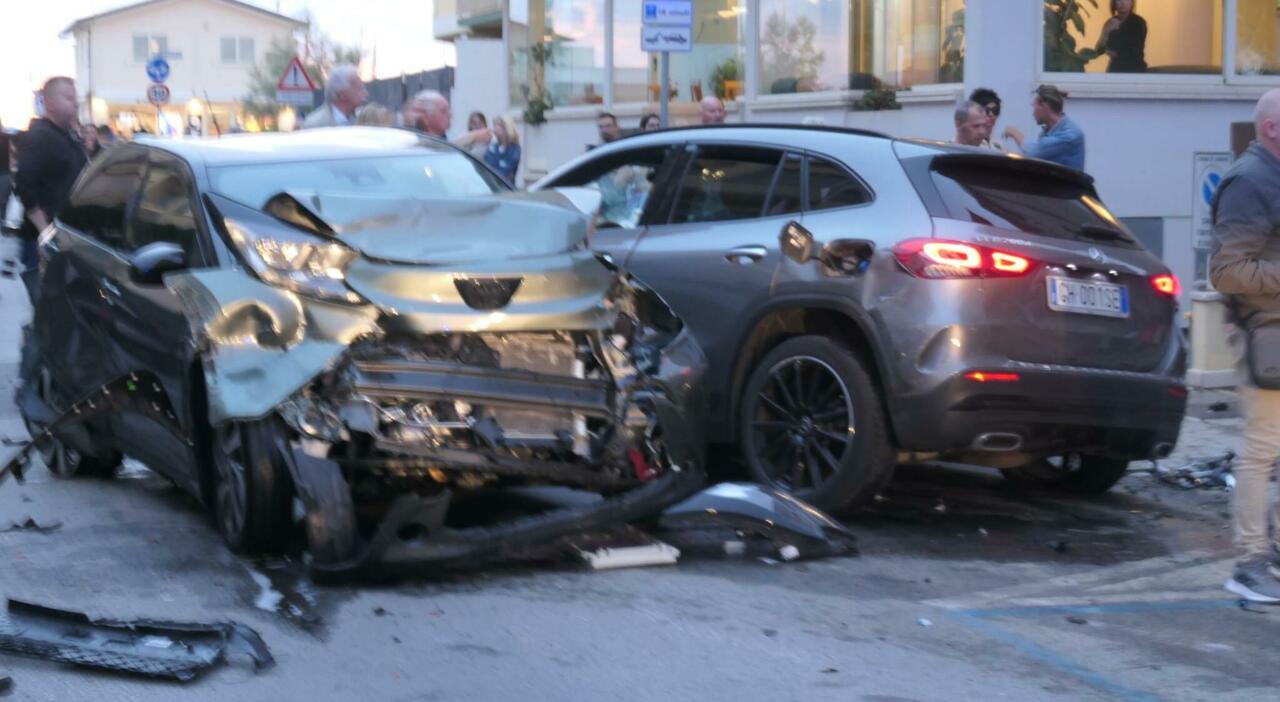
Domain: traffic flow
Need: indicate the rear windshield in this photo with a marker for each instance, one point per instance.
(427, 175)
(1027, 202)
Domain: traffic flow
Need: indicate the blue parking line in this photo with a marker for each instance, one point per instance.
(980, 620)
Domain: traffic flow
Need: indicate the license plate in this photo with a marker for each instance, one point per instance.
(1080, 297)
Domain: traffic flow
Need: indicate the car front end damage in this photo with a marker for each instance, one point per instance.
(435, 384)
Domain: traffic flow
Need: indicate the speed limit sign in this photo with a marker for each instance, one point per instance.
(158, 94)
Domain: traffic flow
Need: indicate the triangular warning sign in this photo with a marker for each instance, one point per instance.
(295, 77)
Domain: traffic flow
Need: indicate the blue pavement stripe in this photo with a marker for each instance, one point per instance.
(1043, 655)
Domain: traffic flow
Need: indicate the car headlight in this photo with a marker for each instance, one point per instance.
(296, 261)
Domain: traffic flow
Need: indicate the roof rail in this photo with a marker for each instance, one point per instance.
(765, 125)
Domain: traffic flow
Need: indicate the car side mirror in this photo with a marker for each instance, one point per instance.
(148, 264)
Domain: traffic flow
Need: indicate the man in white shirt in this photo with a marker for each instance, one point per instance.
(344, 93)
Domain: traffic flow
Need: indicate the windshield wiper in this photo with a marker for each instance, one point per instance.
(1097, 231)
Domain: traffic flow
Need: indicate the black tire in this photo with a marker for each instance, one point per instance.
(798, 409)
(62, 460)
(251, 487)
(1074, 472)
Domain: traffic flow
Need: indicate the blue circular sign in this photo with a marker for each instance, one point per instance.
(1210, 186)
(158, 69)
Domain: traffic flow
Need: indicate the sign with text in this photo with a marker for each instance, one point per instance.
(158, 94)
(1209, 169)
(678, 13)
(673, 39)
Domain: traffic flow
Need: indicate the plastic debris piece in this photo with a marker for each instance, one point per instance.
(1205, 473)
(789, 552)
(1077, 620)
(924, 622)
(30, 524)
(6, 686)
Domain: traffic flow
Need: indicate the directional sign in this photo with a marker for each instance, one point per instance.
(158, 94)
(677, 13)
(158, 69)
(673, 39)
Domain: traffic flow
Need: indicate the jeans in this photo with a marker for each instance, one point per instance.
(1253, 508)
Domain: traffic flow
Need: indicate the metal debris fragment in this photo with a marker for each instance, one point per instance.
(1213, 473)
(30, 524)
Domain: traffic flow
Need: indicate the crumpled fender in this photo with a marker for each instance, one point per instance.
(260, 344)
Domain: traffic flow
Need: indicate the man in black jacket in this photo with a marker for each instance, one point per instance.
(50, 157)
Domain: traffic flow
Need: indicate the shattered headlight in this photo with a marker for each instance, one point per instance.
(296, 261)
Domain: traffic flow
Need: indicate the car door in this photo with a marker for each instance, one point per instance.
(76, 285)
(631, 184)
(714, 258)
(148, 329)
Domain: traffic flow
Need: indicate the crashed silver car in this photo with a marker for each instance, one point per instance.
(350, 335)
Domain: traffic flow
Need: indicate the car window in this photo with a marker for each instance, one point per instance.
(831, 186)
(788, 190)
(726, 183)
(442, 174)
(98, 208)
(625, 181)
(164, 210)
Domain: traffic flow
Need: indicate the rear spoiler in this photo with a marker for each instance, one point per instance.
(919, 163)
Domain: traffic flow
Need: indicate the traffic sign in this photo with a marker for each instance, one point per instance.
(678, 13)
(158, 94)
(295, 77)
(673, 39)
(158, 69)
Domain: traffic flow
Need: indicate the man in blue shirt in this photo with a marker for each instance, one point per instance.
(1061, 139)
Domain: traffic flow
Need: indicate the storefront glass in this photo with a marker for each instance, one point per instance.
(819, 45)
(1125, 36)
(714, 67)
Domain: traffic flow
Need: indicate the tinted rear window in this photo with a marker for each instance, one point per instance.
(1027, 202)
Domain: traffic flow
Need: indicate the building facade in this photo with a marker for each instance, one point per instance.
(211, 47)
(820, 61)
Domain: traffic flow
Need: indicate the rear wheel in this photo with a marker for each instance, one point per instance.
(251, 487)
(1073, 472)
(811, 423)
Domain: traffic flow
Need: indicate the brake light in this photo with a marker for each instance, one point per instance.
(936, 259)
(1167, 284)
(985, 377)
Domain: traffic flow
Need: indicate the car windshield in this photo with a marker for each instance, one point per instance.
(419, 175)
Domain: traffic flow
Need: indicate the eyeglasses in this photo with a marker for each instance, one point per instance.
(993, 109)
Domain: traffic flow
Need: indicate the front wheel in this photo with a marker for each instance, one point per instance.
(251, 487)
(811, 423)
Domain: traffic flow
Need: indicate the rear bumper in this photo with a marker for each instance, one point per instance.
(1050, 409)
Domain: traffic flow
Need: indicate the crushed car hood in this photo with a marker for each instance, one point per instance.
(444, 231)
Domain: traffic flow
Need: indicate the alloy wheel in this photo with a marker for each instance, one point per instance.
(230, 494)
(802, 424)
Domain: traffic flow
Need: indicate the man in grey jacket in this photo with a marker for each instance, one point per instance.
(1245, 266)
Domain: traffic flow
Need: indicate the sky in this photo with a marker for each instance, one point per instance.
(401, 29)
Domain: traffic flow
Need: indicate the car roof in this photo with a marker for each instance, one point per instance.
(327, 143)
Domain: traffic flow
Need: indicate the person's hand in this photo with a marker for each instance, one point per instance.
(38, 218)
(1014, 134)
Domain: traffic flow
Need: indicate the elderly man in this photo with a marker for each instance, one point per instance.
(344, 93)
(50, 158)
(972, 123)
(1061, 139)
(711, 111)
(1245, 266)
(429, 112)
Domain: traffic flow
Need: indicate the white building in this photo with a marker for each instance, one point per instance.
(809, 60)
(211, 46)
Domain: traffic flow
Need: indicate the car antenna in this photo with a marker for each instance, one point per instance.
(217, 130)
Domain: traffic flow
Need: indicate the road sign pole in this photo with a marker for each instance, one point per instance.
(665, 90)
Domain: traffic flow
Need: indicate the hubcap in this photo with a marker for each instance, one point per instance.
(230, 493)
(802, 424)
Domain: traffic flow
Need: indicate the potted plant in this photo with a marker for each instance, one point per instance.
(1060, 52)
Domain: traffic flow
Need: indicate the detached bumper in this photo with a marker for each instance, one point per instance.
(1059, 409)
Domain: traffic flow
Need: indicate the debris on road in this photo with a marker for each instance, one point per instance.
(6, 686)
(152, 648)
(625, 548)
(30, 524)
(1204, 473)
(1077, 620)
(924, 622)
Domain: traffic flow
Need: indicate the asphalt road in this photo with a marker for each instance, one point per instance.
(967, 587)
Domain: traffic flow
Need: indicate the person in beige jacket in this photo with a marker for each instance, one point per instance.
(1245, 266)
(344, 93)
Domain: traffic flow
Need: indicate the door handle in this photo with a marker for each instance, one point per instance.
(743, 255)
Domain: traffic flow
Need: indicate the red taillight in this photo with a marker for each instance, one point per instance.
(936, 259)
(1167, 284)
(986, 377)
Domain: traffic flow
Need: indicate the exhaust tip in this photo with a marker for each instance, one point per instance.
(998, 442)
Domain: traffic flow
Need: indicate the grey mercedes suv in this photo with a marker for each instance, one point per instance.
(865, 301)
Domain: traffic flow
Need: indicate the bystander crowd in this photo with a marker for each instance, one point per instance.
(503, 154)
(972, 123)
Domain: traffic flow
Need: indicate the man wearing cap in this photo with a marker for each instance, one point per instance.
(1061, 139)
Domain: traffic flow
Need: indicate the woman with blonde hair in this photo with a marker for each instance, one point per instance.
(375, 115)
(503, 155)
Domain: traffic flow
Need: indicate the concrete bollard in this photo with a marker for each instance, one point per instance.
(1213, 363)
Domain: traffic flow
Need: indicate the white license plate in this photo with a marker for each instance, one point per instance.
(1080, 297)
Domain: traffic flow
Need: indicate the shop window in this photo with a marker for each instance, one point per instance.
(1258, 38)
(820, 45)
(562, 53)
(1126, 36)
(714, 67)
